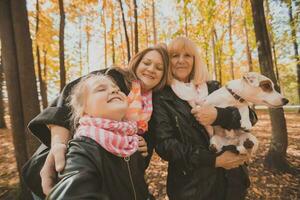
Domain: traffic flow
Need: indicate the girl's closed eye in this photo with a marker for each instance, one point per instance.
(100, 89)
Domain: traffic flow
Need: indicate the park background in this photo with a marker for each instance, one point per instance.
(48, 43)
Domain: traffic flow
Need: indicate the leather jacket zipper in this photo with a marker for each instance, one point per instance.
(183, 140)
(127, 159)
(179, 129)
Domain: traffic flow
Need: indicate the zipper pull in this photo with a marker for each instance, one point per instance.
(127, 158)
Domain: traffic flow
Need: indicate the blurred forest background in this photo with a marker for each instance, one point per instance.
(47, 43)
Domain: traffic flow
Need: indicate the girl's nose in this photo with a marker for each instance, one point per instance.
(115, 90)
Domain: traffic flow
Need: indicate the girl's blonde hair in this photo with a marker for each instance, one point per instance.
(199, 72)
(77, 99)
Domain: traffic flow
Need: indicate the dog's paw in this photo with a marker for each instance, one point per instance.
(213, 148)
(248, 144)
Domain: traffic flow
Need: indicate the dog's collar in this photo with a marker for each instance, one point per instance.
(237, 97)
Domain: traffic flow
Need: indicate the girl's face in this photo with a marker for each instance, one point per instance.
(182, 64)
(104, 99)
(150, 70)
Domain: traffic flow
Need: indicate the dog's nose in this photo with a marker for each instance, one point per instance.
(285, 101)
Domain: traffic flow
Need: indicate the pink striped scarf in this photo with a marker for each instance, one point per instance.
(118, 138)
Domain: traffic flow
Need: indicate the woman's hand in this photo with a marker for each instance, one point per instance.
(143, 149)
(205, 115)
(229, 160)
(55, 161)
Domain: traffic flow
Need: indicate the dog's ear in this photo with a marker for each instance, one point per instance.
(251, 78)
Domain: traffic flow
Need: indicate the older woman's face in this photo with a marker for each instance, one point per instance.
(182, 65)
(150, 70)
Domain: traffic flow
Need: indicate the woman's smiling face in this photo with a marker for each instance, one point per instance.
(150, 70)
(182, 63)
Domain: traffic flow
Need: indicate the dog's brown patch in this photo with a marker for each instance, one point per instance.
(266, 86)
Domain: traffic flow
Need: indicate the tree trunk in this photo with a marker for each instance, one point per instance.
(146, 27)
(42, 83)
(112, 32)
(125, 31)
(276, 157)
(219, 52)
(230, 41)
(121, 38)
(2, 113)
(153, 22)
(131, 27)
(61, 45)
(88, 38)
(80, 44)
(105, 35)
(272, 43)
(248, 50)
(26, 68)
(295, 43)
(136, 28)
(214, 60)
(45, 74)
(185, 18)
(18, 59)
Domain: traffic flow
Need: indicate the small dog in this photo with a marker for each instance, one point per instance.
(252, 88)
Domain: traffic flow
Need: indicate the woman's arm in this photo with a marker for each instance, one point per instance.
(189, 156)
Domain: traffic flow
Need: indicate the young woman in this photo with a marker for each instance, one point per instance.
(194, 172)
(53, 125)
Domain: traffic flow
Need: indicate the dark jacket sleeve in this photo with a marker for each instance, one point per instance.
(229, 117)
(57, 113)
(170, 148)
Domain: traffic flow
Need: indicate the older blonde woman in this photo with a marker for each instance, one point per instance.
(194, 172)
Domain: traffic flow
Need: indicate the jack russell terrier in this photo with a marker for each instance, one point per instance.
(253, 88)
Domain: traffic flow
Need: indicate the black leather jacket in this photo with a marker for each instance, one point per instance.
(91, 172)
(183, 142)
(58, 113)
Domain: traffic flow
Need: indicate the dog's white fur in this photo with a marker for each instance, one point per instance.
(252, 88)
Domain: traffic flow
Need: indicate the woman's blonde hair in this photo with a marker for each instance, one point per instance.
(77, 99)
(199, 72)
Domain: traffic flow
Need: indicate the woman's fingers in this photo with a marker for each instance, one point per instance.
(143, 146)
(59, 153)
(48, 174)
(55, 162)
(205, 115)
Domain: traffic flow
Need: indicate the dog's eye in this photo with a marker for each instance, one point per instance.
(266, 86)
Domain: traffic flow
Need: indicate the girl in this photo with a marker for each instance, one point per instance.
(97, 164)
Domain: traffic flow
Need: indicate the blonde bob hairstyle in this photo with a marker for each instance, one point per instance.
(199, 72)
